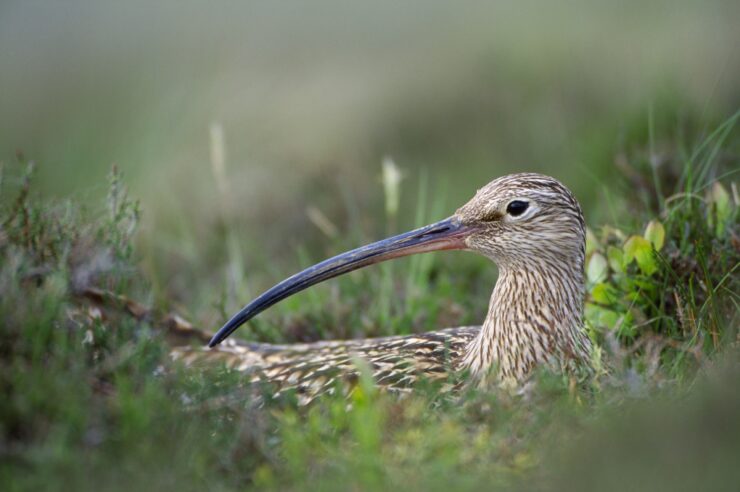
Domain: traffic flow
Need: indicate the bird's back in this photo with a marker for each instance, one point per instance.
(395, 363)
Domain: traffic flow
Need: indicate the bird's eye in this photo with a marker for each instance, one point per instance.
(516, 208)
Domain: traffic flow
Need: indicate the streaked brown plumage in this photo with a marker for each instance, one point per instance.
(529, 224)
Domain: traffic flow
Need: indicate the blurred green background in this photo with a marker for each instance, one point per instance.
(309, 97)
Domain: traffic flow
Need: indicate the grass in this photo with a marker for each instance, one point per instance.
(91, 400)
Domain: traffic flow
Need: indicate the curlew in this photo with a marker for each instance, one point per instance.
(530, 225)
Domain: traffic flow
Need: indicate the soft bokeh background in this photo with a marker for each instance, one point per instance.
(309, 97)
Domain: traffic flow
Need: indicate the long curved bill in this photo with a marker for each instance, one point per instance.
(446, 234)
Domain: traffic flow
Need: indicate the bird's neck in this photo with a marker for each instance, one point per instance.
(534, 317)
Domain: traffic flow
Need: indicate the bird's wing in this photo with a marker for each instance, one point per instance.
(311, 369)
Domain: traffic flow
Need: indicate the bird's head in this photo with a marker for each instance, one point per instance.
(524, 218)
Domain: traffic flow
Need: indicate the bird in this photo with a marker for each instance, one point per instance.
(530, 225)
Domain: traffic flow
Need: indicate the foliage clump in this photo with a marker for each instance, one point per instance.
(670, 290)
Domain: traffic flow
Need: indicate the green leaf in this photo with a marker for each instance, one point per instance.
(640, 249)
(603, 293)
(655, 233)
(600, 316)
(597, 268)
(592, 244)
(722, 208)
(645, 285)
(630, 248)
(616, 259)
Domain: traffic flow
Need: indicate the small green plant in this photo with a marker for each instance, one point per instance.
(673, 286)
